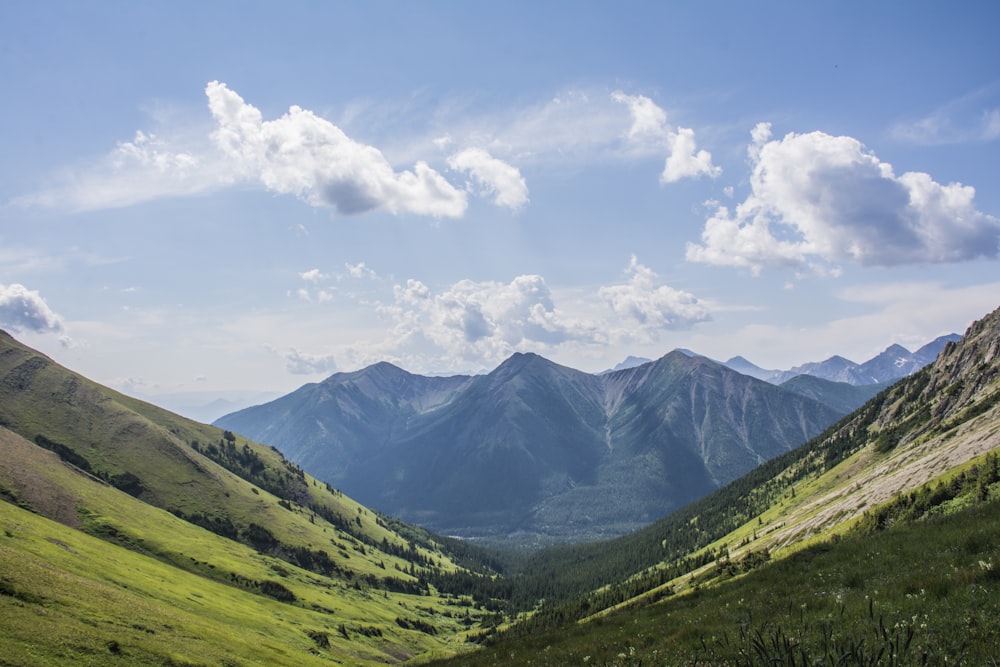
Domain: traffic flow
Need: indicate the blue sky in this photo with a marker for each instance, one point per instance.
(226, 197)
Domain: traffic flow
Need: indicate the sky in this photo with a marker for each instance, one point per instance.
(214, 199)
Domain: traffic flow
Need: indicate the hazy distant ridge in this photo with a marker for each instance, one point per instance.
(893, 363)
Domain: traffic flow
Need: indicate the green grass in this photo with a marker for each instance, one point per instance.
(922, 593)
(69, 598)
(113, 578)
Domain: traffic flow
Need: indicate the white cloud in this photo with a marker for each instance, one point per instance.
(314, 291)
(478, 324)
(310, 157)
(360, 270)
(647, 307)
(22, 309)
(494, 176)
(305, 155)
(818, 200)
(649, 121)
(685, 160)
(299, 154)
(298, 363)
(650, 130)
(313, 276)
(481, 322)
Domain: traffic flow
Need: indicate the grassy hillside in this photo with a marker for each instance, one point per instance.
(924, 593)
(200, 526)
(69, 598)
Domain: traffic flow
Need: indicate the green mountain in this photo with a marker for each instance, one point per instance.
(133, 536)
(535, 450)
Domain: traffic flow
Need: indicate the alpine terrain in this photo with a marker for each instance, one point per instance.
(534, 449)
(872, 544)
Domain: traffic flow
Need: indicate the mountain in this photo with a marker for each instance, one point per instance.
(840, 396)
(870, 540)
(345, 417)
(891, 364)
(534, 448)
(741, 365)
(135, 536)
(629, 362)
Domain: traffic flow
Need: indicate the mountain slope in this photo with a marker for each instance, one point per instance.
(535, 448)
(194, 508)
(840, 396)
(346, 417)
(918, 593)
(923, 446)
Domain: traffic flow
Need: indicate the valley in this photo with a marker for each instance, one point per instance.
(134, 536)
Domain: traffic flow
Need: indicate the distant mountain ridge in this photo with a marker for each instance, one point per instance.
(534, 447)
(893, 363)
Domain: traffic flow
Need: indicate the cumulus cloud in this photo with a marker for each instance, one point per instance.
(360, 270)
(314, 291)
(22, 309)
(298, 363)
(817, 200)
(482, 322)
(478, 324)
(310, 157)
(313, 276)
(648, 307)
(650, 129)
(496, 177)
(298, 153)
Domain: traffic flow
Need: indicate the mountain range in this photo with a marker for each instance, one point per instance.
(544, 452)
(534, 449)
(891, 364)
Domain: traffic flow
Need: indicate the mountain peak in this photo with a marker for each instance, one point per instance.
(385, 368)
(521, 360)
(629, 362)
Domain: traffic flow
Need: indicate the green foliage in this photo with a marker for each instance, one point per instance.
(925, 593)
(416, 624)
(277, 591)
(64, 452)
